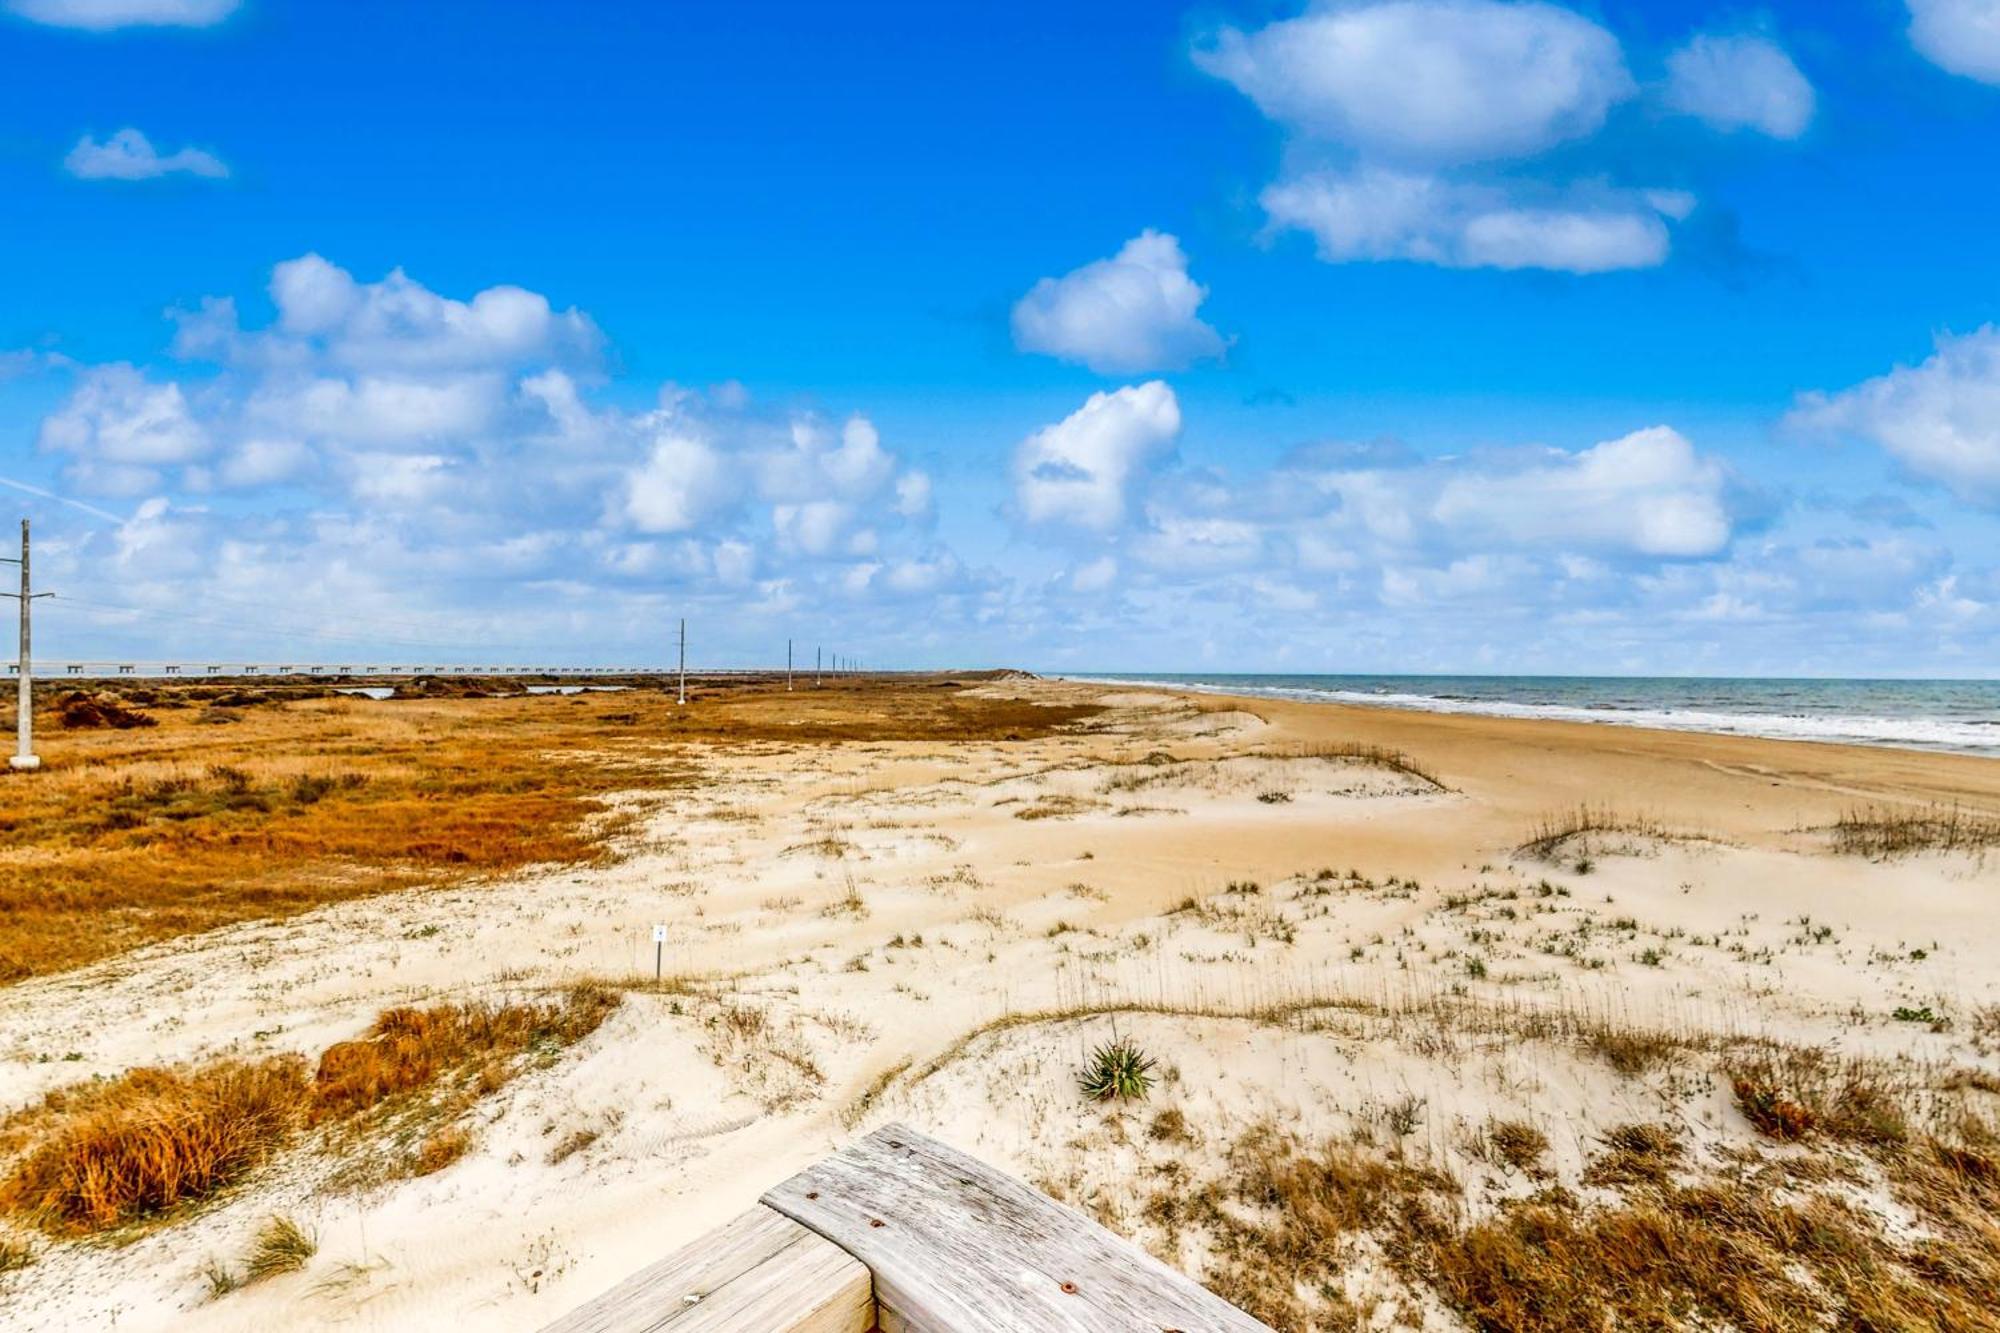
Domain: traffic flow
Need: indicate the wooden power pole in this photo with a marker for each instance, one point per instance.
(24, 756)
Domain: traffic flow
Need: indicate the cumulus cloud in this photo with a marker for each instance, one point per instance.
(1379, 213)
(104, 15)
(1428, 81)
(1075, 473)
(387, 427)
(1962, 36)
(121, 429)
(1399, 111)
(1940, 419)
(129, 155)
(402, 324)
(1134, 312)
(1648, 493)
(1740, 82)
(682, 481)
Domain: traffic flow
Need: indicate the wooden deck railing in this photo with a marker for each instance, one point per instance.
(901, 1233)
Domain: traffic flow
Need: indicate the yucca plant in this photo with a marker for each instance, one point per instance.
(1117, 1071)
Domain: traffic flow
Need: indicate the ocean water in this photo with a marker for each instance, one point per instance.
(1958, 715)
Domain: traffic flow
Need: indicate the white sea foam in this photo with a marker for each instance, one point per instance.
(1910, 732)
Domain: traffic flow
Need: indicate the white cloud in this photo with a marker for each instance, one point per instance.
(1134, 312)
(1390, 102)
(1185, 543)
(1094, 575)
(400, 481)
(1962, 36)
(265, 462)
(380, 427)
(1429, 81)
(1740, 82)
(103, 15)
(378, 411)
(1076, 471)
(1432, 529)
(401, 324)
(1379, 214)
(120, 429)
(681, 483)
(129, 155)
(1648, 493)
(1941, 419)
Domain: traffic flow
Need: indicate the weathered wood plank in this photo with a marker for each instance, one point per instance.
(957, 1247)
(761, 1273)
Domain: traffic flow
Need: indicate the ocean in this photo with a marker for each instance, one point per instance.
(1956, 715)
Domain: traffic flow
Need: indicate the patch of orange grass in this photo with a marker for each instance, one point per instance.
(104, 1154)
(1725, 1251)
(408, 1048)
(154, 1139)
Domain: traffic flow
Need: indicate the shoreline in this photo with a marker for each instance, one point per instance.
(1824, 729)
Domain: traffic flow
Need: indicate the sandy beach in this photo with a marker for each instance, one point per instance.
(1331, 924)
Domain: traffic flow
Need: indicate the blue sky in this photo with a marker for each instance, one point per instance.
(1443, 335)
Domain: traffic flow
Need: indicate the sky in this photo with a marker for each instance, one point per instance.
(1351, 336)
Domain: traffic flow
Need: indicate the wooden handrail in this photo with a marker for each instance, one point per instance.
(900, 1232)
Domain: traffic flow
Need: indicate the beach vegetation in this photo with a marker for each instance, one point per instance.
(280, 1246)
(1585, 831)
(128, 836)
(1117, 1071)
(1882, 832)
(153, 1140)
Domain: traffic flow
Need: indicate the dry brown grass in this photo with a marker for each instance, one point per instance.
(410, 1048)
(1791, 1094)
(1883, 831)
(1517, 1144)
(153, 1140)
(281, 1246)
(439, 1149)
(1715, 1253)
(1381, 756)
(1553, 834)
(132, 836)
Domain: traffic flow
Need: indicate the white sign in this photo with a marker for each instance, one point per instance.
(659, 934)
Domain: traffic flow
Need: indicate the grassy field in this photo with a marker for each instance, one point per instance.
(235, 804)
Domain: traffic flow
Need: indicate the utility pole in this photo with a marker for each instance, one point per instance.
(816, 652)
(24, 757)
(788, 666)
(684, 659)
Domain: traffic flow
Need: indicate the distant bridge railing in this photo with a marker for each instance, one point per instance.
(60, 669)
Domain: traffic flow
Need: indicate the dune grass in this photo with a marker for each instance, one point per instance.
(1676, 1246)
(1883, 831)
(280, 1246)
(151, 1141)
(1381, 756)
(410, 1048)
(1553, 834)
